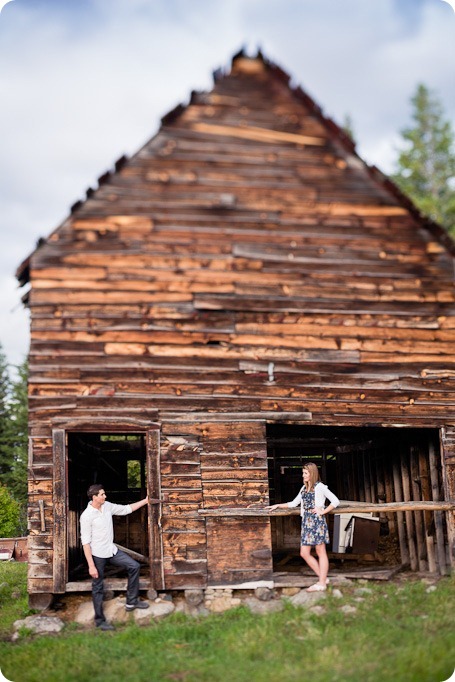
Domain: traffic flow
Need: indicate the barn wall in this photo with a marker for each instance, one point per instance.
(244, 265)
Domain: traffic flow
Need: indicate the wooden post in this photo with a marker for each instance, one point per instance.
(379, 476)
(389, 498)
(59, 511)
(447, 447)
(42, 516)
(409, 517)
(277, 528)
(404, 551)
(438, 518)
(154, 491)
(354, 489)
(418, 516)
(367, 477)
(428, 518)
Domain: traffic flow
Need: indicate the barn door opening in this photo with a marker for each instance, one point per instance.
(369, 465)
(126, 465)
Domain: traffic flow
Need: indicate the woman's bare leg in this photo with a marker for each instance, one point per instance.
(323, 563)
(305, 553)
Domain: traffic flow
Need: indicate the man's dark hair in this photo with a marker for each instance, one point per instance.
(94, 490)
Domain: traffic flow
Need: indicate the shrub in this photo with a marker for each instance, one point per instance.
(9, 514)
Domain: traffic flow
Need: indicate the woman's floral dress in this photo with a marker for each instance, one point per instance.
(314, 527)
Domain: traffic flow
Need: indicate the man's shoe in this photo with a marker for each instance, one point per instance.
(138, 605)
(105, 626)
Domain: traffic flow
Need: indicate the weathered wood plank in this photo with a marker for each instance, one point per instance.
(233, 550)
(154, 511)
(344, 507)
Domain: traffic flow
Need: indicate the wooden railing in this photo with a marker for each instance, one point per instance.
(345, 506)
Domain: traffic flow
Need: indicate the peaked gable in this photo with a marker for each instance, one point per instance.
(251, 144)
(247, 231)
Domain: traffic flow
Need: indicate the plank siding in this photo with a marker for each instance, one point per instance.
(244, 266)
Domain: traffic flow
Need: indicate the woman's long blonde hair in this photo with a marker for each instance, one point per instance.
(314, 475)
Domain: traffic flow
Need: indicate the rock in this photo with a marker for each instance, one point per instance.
(114, 610)
(218, 600)
(158, 610)
(108, 595)
(194, 597)
(317, 610)
(348, 609)
(152, 594)
(142, 616)
(304, 598)
(85, 614)
(193, 611)
(263, 593)
(337, 594)
(432, 588)
(260, 607)
(363, 590)
(39, 625)
(222, 603)
(165, 597)
(289, 591)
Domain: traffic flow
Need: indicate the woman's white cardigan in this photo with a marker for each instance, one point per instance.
(321, 494)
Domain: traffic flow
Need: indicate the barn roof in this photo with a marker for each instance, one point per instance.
(256, 151)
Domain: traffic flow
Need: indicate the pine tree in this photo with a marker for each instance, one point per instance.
(18, 412)
(5, 430)
(14, 436)
(426, 164)
(348, 127)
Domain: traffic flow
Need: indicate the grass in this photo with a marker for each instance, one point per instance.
(13, 596)
(400, 633)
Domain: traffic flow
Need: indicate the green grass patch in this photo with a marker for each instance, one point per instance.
(399, 633)
(13, 596)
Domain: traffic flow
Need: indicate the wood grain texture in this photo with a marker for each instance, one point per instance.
(244, 267)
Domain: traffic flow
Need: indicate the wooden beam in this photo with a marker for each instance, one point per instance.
(135, 555)
(154, 510)
(438, 517)
(344, 507)
(59, 572)
(409, 526)
(404, 550)
(243, 416)
(117, 584)
(258, 134)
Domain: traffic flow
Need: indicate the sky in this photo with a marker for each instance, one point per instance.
(83, 82)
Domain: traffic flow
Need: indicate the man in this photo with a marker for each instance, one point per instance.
(97, 537)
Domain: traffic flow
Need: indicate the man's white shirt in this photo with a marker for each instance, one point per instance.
(97, 529)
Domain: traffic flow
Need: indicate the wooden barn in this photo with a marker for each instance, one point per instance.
(242, 295)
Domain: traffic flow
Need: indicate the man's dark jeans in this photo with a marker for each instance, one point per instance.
(132, 593)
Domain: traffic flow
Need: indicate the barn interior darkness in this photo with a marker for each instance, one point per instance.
(118, 461)
(364, 465)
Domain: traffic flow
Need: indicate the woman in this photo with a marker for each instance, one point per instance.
(312, 497)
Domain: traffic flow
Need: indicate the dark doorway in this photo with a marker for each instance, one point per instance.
(363, 465)
(118, 461)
